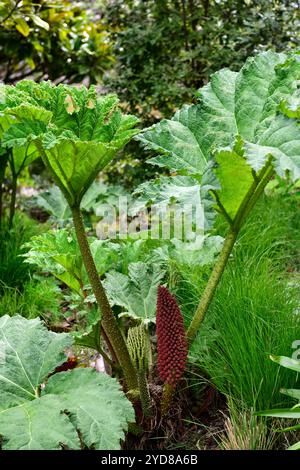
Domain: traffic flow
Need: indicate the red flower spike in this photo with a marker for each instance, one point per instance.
(171, 340)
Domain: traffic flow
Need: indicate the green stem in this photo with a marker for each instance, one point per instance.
(3, 163)
(12, 207)
(259, 190)
(167, 398)
(256, 189)
(108, 320)
(212, 285)
(222, 208)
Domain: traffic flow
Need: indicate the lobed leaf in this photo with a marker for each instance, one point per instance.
(137, 292)
(238, 124)
(70, 404)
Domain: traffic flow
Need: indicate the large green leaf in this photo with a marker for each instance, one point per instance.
(76, 164)
(67, 410)
(28, 354)
(57, 252)
(37, 425)
(232, 103)
(23, 156)
(76, 132)
(200, 252)
(96, 405)
(22, 133)
(281, 141)
(234, 107)
(176, 140)
(254, 91)
(137, 292)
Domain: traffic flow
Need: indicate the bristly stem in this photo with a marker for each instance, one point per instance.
(211, 286)
(108, 320)
(167, 398)
(12, 207)
(222, 208)
(3, 162)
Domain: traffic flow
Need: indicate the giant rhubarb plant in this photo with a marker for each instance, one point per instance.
(76, 133)
(227, 147)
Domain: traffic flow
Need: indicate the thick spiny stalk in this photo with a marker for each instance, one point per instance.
(12, 207)
(3, 162)
(109, 323)
(211, 286)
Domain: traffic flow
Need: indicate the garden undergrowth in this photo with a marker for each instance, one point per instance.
(14, 272)
(255, 309)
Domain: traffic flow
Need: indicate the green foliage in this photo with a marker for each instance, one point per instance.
(52, 39)
(14, 272)
(185, 42)
(40, 297)
(236, 133)
(233, 104)
(254, 311)
(189, 255)
(57, 252)
(54, 203)
(76, 132)
(164, 192)
(76, 403)
(294, 412)
(137, 292)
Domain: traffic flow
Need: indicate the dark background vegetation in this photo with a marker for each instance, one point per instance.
(153, 54)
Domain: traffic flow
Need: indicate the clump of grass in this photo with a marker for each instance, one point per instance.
(40, 297)
(254, 315)
(254, 312)
(245, 431)
(13, 271)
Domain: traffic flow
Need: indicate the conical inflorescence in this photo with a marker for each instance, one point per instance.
(171, 339)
